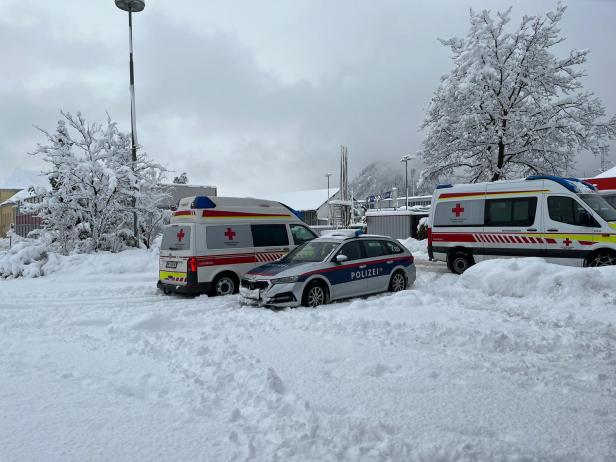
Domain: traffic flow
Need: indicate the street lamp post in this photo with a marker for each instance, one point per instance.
(132, 6)
(406, 159)
(329, 218)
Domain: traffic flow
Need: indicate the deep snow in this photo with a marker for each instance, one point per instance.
(514, 360)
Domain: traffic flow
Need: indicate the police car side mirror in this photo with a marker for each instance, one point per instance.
(341, 258)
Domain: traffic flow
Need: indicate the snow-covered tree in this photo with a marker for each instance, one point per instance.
(94, 183)
(181, 179)
(511, 107)
(151, 217)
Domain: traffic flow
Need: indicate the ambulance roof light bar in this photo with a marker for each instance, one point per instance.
(202, 202)
(557, 179)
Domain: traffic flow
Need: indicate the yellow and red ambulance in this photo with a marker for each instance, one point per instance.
(563, 220)
(212, 241)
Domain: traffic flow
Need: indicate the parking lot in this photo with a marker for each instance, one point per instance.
(96, 364)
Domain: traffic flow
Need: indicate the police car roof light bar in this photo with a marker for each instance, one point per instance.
(557, 179)
(202, 202)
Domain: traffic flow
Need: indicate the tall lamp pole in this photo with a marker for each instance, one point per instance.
(406, 159)
(329, 218)
(132, 6)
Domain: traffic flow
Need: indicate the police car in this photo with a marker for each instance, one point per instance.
(332, 267)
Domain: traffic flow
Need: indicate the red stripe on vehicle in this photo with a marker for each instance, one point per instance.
(453, 237)
(549, 240)
(357, 265)
(586, 242)
(181, 213)
(231, 260)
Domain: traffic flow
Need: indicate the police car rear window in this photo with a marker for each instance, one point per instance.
(176, 238)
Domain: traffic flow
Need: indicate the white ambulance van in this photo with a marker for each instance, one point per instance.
(212, 241)
(561, 219)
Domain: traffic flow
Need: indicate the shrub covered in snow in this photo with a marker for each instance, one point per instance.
(96, 188)
(25, 258)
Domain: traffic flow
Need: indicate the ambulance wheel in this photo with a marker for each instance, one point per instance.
(602, 258)
(459, 262)
(397, 282)
(225, 284)
(315, 294)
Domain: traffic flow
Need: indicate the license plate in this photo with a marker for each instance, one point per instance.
(172, 264)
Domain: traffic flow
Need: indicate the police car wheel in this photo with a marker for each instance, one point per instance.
(224, 285)
(460, 262)
(314, 295)
(602, 259)
(397, 282)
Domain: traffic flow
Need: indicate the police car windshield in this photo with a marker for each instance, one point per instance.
(600, 206)
(311, 251)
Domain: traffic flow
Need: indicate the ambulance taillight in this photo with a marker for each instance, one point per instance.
(430, 251)
(192, 265)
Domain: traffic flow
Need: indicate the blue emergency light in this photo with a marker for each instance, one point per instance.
(202, 202)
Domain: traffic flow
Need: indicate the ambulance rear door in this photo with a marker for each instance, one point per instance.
(458, 221)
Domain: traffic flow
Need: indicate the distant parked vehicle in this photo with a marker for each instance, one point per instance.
(212, 241)
(337, 266)
(561, 219)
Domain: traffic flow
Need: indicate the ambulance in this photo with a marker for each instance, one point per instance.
(563, 220)
(212, 241)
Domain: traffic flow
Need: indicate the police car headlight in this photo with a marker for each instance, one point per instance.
(287, 280)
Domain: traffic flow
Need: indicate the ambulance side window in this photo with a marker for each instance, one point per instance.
(567, 210)
(510, 212)
(301, 234)
(270, 235)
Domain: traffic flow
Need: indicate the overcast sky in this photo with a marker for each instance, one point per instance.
(254, 96)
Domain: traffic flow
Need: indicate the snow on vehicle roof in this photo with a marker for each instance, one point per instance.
(611, 173)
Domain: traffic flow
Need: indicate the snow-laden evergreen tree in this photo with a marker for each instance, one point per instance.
(181, 179)
(93, 186)
(510, 106)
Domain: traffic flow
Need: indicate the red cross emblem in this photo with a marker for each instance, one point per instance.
(180, 235)
(567, 242)
(458, 210)
(230, 234)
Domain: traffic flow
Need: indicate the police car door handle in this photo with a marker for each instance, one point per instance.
(532, 229)
(552, 230)
(389, 262)
(362, 266)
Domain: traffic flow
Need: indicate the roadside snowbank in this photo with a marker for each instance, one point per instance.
(30, 259)
(534, 277)
(419, 249)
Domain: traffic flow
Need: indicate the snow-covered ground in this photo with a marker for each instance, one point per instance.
(514, 360)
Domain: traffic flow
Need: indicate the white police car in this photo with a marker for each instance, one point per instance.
(329, 268)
